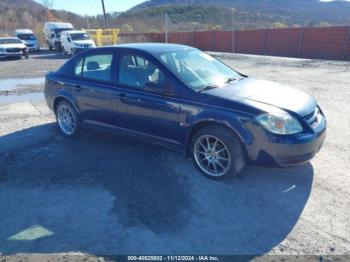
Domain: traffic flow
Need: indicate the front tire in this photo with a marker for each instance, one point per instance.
(217, 153)
(67, 119)
(26, 54)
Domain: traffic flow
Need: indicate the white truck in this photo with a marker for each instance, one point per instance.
(74, 41)
(53, 32)
(28, 38)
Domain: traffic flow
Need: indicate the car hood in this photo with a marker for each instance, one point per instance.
(12, 46)
(269, 93)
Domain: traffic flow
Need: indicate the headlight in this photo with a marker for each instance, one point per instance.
(280, 123)
(2, 50)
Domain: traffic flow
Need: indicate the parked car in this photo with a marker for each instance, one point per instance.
(13, 47)
(53, 32)
(183, 98)
(28, 38)
(74, 41)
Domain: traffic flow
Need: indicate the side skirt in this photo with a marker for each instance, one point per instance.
(144, 137)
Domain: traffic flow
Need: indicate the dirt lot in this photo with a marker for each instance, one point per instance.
(102, 194)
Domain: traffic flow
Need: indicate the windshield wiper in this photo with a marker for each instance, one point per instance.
(231, 79)
(207, 88)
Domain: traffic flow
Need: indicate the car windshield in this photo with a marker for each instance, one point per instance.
(26, 36)
(80, 36)
(10, 41)
(199, 70)
(59, 30)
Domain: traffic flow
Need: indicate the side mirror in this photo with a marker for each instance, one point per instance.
(52, 35)
(69, 40)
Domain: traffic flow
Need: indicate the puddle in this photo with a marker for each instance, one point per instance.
(13, 84)
(33, 97)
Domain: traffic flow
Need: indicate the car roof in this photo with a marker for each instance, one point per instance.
(23, 31)
(74, 32)
(153, 48)
(9, 38)
(58, 25)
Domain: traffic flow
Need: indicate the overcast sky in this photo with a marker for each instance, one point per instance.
(93, 7)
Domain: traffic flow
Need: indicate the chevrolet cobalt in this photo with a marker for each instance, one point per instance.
(183, 98)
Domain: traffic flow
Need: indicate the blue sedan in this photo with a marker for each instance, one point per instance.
(182, 98)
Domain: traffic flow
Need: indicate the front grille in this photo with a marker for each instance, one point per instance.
(13, 50)
(291, 160)
(29, 45)
(313, 119)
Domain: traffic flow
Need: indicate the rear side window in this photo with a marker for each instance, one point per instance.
(97, 67)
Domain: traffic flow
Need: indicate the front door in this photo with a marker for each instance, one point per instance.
(146, 98)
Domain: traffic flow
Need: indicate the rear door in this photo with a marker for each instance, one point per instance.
(93, 85)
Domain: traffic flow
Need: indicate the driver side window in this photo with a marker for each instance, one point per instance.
(138, 72)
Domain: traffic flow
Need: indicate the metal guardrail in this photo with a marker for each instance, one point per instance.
(103, 37)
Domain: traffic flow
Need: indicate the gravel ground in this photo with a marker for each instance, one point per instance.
(103, 194)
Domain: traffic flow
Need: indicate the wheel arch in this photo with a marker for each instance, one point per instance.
(206, 123)
(61, 98)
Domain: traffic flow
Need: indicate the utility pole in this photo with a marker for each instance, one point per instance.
(166, 27)
(104, 13)
(233, 31)
(6, 29)
(87, 21)
(6, 22)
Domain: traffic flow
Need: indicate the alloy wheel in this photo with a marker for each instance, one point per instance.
(212, 155)
(66, 120)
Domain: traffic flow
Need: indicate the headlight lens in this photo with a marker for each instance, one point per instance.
(280, 123)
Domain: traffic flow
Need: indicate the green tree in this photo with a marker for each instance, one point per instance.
(126, 28)
(278, 25)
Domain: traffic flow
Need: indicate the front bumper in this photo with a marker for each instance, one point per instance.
(9, 55)
(34, 48)
(277, 150)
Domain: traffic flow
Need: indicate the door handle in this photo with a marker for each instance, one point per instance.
(130, 100)
(78, 88)
(123, 97)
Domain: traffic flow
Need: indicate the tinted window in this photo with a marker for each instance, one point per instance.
(26, 36)
(80, 36)
(10, 41)
(136, 71)
(96, 67)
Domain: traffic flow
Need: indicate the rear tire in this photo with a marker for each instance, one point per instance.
(217, 153)
(67, 119)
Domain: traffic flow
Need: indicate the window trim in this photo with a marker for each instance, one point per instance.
(137, 88)
(80, 77)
